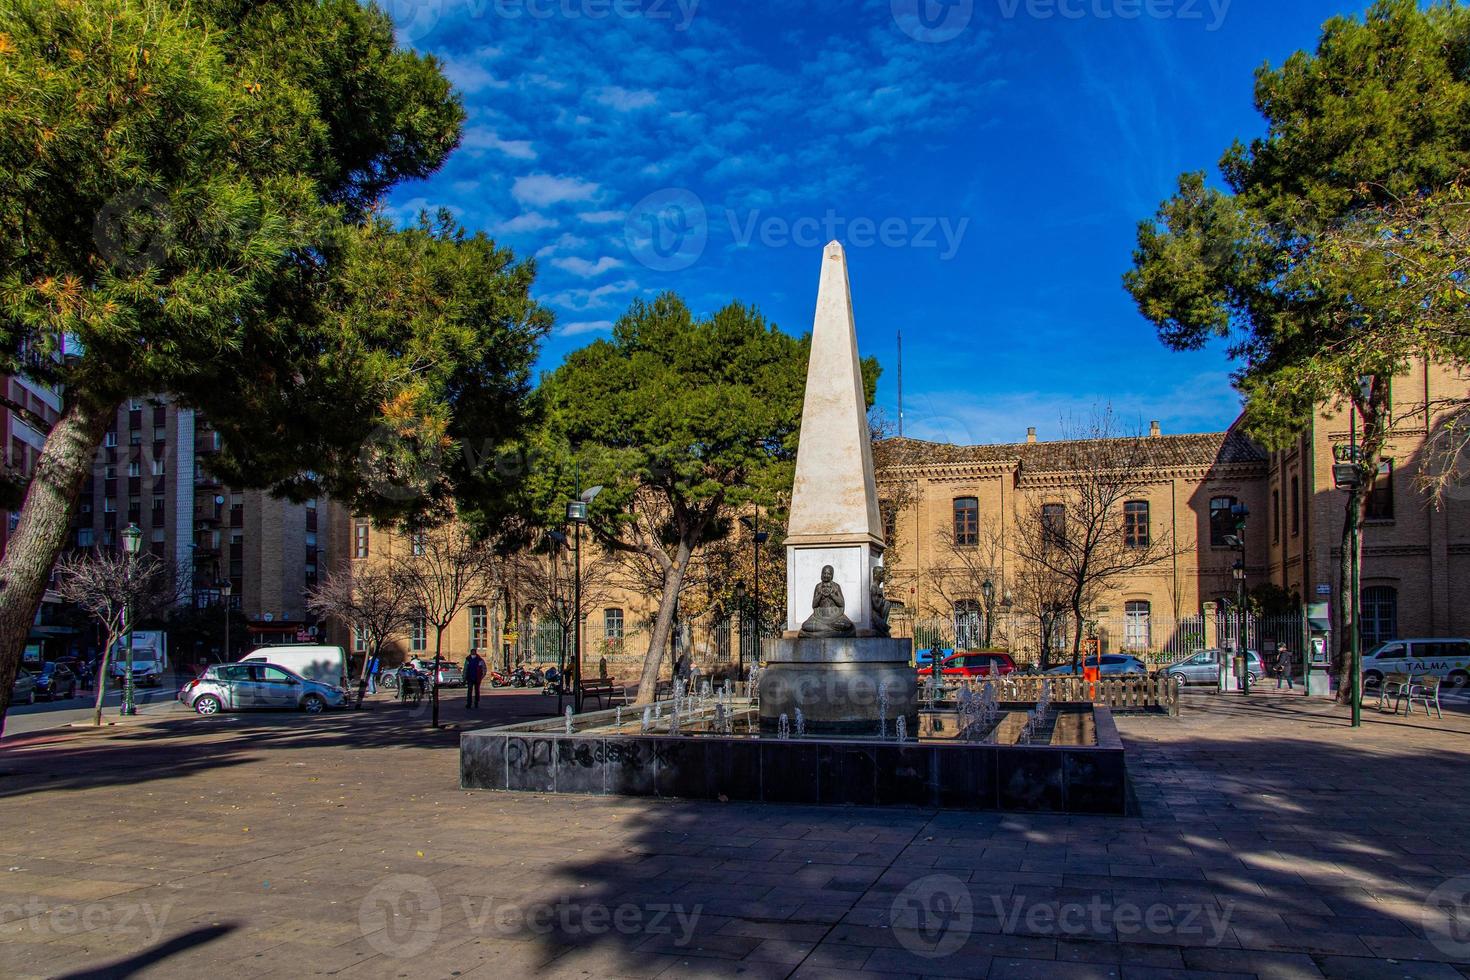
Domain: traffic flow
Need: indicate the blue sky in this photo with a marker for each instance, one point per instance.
(985, 162)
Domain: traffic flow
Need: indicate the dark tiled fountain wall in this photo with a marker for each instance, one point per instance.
(955, 775)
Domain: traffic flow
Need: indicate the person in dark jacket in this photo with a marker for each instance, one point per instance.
(474, 674)
(1283, 670)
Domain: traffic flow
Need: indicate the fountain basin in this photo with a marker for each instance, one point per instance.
(599, 759)
(844, 686)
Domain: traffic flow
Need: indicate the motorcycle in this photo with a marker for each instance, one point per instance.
(497, 678)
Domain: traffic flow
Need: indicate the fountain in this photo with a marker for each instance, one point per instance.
(852, 689)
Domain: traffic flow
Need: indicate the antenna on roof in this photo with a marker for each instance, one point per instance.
(900, 384)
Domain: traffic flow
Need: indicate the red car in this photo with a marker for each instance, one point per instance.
(974, 665)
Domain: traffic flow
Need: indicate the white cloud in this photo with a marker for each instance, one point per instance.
(540, 190)
(579, 266)
(601, 217)
(566, 243)
(470, 76)
(624, 99)
(530, 221)
(588, 299)
(484, 138)
(583, 327)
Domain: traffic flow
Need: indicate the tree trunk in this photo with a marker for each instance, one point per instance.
(1077, 624)
(434, 681)
(662, 625)
(41, 531)
(103, 663)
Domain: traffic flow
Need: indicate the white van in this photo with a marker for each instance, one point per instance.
(149, 658)
(1447, 657)
(323, 664)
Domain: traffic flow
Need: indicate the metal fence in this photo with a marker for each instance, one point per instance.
(1155, 639)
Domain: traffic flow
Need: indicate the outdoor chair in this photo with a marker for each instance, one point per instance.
(1395, 687)
(1426, 691)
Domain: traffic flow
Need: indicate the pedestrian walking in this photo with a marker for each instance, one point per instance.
(1283, 670)
(373, 666)
(474, 673)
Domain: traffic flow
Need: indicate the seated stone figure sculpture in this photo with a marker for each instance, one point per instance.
(827, 618)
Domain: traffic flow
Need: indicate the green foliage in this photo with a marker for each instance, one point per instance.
(186, 195)
(1377, 118)
(705, 412)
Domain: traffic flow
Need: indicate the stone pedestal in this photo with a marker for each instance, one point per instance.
(837, 683)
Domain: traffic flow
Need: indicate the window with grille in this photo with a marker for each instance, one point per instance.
(360, 539)
(1054, 523)
(418, 634)
(966, 521)
(1135, 524)
(1380, 493)
(1379, 614)
(1136, 624)
(612, 623)
(967, 623)
(1222, 521)
(479, 628)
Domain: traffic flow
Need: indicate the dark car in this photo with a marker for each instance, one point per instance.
(56, 680)
(974, 665)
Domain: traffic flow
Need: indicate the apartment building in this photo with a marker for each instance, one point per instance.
(152, 470)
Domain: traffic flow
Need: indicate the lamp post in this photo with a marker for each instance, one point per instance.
(132, 537)
(577, 515)
(225, 586)
(1347, 474)
(987, 589)
(559, 604)
(740, 617)
(1241, 513)
(757, 538)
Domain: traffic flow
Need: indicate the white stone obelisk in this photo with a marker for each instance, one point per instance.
(834, 502)
(843, 678)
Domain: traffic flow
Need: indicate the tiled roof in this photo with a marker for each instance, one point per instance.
(1193, 449)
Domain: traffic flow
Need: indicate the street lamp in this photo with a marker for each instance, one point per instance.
(739, 607)
(757, 538)
(1347, 474)
(577, 515)
(987, 589)
(225, 586)
(132, 538)
(1241, 513)
(562, 610)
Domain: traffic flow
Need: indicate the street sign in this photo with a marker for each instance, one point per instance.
(1324, 589)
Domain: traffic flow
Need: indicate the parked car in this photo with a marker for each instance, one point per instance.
(315, 662)
(256, 685)
(1112, 663)
(56, 680)
(1448, 658)
(23, 691)
(989, 664)
(1203, 667)
(450, 673)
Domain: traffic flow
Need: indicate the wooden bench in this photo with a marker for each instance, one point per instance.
(603, 689)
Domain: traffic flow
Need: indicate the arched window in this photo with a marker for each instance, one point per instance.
(1380, 615)
(967, 633)
(1136, 625)
(966, 521)
(1222, 521)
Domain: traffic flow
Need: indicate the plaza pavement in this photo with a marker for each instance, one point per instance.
(1269, 840)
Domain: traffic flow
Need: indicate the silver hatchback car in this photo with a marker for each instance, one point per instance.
(1204, 667)
(255, 686)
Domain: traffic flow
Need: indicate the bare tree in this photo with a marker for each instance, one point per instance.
(443, 571)
(1071, 522)
(117, 590)
(963, 564)
(1040, 601)
(545, 580)
(373, 602)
